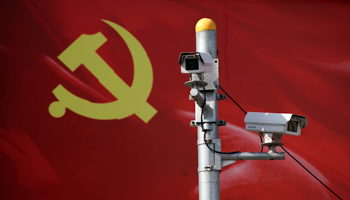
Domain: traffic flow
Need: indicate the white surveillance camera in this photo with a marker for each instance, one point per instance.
(195, 62)
(279, 123)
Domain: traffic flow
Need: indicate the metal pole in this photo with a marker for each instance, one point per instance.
(208, 169)
(253, 156)
(204, 90)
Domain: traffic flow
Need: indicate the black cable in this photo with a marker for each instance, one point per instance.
(261, 140)
(284, 149)
(240, 108)
(204, 102)
(220, 152)
(233, 100)
(310, 172)
(203, 105)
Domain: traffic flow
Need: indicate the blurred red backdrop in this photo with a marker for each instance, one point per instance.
(275, 56)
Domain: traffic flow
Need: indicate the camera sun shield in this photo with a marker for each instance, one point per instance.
(280, 123)
(195, 62)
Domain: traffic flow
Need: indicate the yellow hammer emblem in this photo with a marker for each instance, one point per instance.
(131, 100)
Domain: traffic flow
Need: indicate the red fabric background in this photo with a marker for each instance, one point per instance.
(275, 56)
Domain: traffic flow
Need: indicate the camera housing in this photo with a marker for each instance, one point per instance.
(195, 62)
(279, 123)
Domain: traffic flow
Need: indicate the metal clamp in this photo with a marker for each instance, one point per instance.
(221, 122)
(221, 97)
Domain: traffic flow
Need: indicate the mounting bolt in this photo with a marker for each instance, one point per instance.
(193, 123)
(221, 123)
(208, 140)
(221, 97)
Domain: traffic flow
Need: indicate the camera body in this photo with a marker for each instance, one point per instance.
(195, 62)
(279, 123)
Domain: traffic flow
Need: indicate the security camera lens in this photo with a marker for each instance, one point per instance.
(192, 64)
(292, 126)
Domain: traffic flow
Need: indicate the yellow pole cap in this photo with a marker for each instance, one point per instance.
(205, 24)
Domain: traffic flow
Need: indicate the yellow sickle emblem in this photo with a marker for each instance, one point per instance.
(130, 99)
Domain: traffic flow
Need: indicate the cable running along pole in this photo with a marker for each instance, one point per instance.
(286, 151)
(207, 115)
(203, 68)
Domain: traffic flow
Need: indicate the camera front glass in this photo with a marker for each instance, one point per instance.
(192, 64)
(292, 126)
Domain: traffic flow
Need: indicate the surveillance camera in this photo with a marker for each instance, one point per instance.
(195, 62)
(279, 123)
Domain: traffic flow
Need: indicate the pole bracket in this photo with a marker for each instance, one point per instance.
(194, 123)
(196, 82)
(221, 97)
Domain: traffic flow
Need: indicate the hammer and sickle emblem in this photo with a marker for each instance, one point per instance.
(131, 100)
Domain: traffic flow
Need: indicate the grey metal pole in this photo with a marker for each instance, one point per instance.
(253, 156)
(208, 169)
(204, 92)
